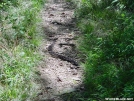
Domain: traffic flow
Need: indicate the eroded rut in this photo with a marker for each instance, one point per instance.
(60, 72)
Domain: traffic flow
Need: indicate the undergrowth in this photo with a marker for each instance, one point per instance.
(19, 39)
(107, 44)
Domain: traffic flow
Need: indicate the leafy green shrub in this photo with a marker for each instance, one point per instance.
(107, 45)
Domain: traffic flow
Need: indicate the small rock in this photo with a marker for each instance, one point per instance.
(70, 35)
(63, 16)
(61, 64)
(68, 69)
(51, 15)
(63, 13)
(75, 73)
(66, 40)
(71, 67)
(76, 79)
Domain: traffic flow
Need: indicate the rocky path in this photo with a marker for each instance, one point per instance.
(59, 76)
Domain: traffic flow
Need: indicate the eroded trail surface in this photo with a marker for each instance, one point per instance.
(60, 70)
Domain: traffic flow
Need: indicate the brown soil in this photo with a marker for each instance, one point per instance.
(57, 76)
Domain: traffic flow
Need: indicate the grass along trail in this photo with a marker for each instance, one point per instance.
(59, 69)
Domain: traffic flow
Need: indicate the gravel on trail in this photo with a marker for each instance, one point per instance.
(58, 77)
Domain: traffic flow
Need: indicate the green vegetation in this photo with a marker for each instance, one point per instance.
(19, 39)
(107, 45)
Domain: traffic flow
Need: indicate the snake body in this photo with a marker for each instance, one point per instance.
(62, 57)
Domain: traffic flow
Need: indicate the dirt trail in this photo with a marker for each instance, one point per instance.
(59, 76)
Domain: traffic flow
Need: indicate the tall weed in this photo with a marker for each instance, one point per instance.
(18, 55)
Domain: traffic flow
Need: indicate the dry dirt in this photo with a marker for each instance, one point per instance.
(57, 76)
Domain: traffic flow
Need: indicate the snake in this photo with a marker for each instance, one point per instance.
(60, 56)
